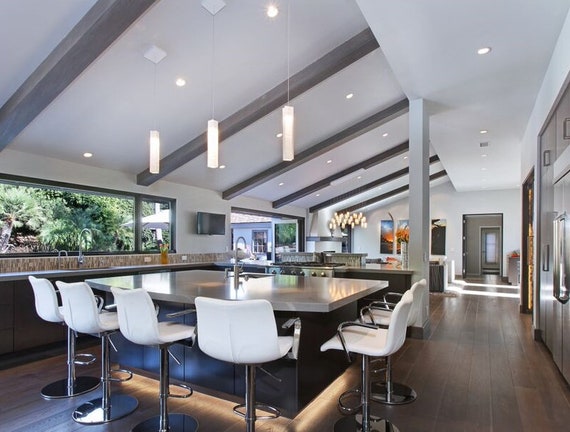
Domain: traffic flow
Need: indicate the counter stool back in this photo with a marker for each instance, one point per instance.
(241, 332)
(139, 324)
(82, 314)
(47, 308)
(386, 391)
(369, 341)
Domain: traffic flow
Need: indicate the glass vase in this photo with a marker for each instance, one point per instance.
(164, 257)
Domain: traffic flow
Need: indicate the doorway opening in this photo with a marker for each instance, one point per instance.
(267, 235)
(482, 245)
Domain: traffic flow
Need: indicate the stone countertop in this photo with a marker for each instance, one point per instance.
(286, 293)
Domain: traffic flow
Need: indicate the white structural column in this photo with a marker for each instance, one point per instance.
(419, 197)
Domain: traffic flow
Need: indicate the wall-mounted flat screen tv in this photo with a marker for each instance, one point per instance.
(210, 223)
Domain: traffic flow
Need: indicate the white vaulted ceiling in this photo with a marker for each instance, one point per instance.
(426, 50)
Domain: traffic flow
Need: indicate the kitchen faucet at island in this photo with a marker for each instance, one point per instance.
(80, 256)
(237, 266)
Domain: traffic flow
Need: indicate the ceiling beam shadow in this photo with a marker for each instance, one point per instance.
(375, 160)
(387, 178)
(334, 61)
(90, 37)
(390, 194)
(374, 121)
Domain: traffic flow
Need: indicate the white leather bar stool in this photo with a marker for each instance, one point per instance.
(241, 332)
(82, 315)
(369, 340)
(48, 309)
(139, 324)
(380, 313)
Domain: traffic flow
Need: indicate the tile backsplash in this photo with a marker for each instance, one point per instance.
(18, 265)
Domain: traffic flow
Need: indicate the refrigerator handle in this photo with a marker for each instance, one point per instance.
(546, 258)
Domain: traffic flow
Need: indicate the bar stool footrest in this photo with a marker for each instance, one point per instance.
(121, 371)
(59, 389)
(182, 396)
(92, 412)
(354, 424)
(401, 394)
(272, 411)
(176, 423)
(347, 409)
(84, 359)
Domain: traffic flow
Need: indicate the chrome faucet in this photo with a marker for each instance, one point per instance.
(237, 267)
(59, 253)
(80, 256)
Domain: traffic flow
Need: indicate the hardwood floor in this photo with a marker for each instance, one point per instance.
(479, 370)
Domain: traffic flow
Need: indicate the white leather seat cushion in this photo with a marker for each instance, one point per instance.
(171, 332)
(108, 321)
(360, 340)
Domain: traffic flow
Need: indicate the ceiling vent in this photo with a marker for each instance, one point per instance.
(484, 144)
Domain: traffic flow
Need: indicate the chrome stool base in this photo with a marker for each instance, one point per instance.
(270, 410)
(60, 389)
(176, 423)
(92, 412)
(401, 394)
(354, 424)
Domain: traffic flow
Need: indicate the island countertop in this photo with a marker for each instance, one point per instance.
(284, 292)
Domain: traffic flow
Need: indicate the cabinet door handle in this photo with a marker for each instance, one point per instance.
(546, 258)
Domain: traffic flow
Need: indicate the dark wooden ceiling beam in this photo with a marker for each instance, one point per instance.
(90, 37)
(379, 182)
(390, 194)
(374, 121)
(325, 67)
(379, 158)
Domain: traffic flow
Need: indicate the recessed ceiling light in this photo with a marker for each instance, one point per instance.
(279, 135)
(329, 161)
(405, 157)
(180, 82)
(484, 50)
(281, 184)
(272, 11)
(349, 96)
(484, 155)
(483, 131)
(483, 169)
(87, 155)
(385, 134)
(359, 177)
(222, 166)
(318, 195)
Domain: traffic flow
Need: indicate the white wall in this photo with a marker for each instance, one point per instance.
(189, 199)
(446, 203)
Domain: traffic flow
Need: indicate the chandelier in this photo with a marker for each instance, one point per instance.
(343, 219)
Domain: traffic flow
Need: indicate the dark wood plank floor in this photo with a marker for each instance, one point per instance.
(479, 370)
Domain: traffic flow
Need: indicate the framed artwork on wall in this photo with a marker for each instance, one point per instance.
(387, 237)
(402, 233)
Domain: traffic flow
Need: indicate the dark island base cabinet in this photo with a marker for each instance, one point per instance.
(301, 380)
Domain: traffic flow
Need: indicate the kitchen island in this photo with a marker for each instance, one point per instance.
(321, 303)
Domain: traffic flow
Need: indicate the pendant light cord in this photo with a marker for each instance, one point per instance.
(212, 60)
(288, 45)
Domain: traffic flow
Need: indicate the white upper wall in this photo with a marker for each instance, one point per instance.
(189, 199)
(446, 203)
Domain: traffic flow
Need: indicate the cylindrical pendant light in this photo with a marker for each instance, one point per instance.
(288, 119)
(213, 139)
(154, 160)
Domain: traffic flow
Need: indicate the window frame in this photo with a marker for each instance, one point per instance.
(76, 188)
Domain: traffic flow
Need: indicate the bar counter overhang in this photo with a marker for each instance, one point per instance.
(321, 303)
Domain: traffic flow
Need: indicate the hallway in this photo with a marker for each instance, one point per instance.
(479, 370)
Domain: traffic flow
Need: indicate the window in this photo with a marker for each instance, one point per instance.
(259, 241)
(39, 217)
